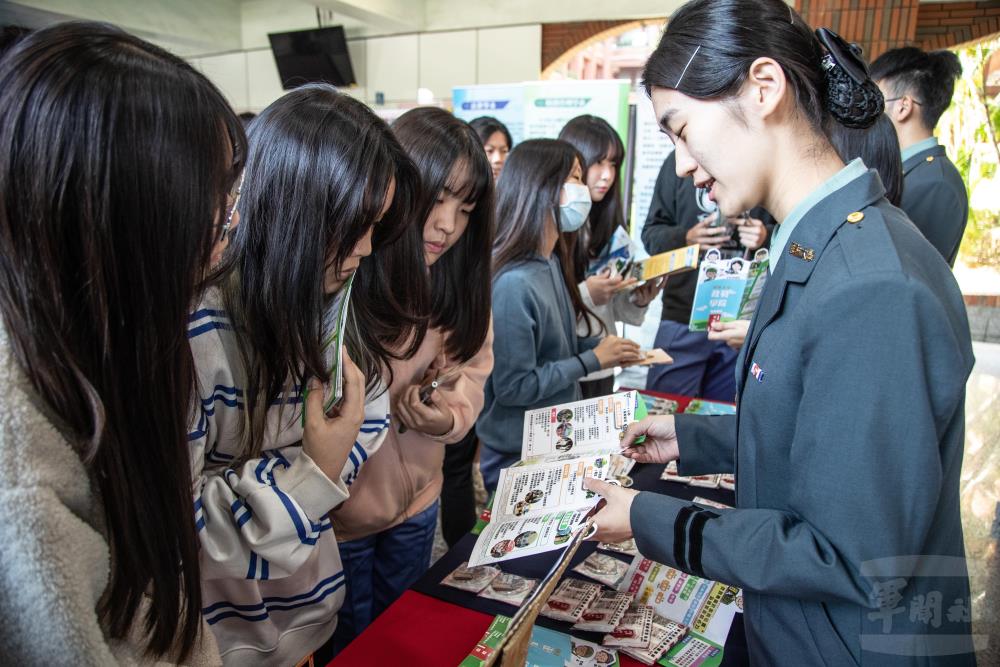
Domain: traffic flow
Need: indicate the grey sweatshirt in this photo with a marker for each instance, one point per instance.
(538, 358)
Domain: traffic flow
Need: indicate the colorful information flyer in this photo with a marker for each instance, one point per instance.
(591, 425)
(728, 289)
(537, 507)
(706, 607)
(549, 648)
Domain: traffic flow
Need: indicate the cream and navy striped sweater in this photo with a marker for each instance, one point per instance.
(271, 571)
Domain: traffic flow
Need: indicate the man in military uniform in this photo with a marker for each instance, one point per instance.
(918, 87)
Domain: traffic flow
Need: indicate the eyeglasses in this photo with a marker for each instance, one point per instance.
(234, 198)
(893, 99)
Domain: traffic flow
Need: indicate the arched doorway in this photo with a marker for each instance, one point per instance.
(617, 53)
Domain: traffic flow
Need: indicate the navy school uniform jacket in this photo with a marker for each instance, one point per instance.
(935, 199)
(847, 448)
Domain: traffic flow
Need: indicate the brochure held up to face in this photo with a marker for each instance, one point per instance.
(334, 336)
(540, 502)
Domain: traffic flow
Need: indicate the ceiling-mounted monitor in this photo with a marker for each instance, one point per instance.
(305, 56)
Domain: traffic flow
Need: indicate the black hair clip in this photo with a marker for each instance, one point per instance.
(839, 52)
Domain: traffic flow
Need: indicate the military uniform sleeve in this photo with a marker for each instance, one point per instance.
(866, 455)
(707, 444)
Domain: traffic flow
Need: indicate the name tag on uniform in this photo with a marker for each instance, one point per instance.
(757, 372)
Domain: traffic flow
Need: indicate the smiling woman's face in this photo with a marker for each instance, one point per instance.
(714, 146)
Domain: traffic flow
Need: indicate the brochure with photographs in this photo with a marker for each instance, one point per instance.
(588, 426)
(537, 507)
(616, 256)
(727, 289)
(706, 607)
(539, 503)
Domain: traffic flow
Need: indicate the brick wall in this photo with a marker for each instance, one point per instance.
(942, 25)
(877, 25)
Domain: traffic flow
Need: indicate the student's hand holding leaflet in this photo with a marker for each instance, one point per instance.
(328, 440)
(604, 286)
(658, 440)
(614, 351)
(428, 416)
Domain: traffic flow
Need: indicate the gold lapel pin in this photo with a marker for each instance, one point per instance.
(930, 158)
(806, 254)
(855, 217)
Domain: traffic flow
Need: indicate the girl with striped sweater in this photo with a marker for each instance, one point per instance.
(325, 182)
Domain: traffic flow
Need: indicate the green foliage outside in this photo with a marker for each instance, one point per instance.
(970, 130)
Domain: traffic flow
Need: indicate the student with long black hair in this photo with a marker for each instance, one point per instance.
(847, 491)
(538, 357)
(606, 296)
(386, 529)
(325, 184)
(103, 250)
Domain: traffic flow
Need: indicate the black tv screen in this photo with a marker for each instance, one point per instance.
(305, 56)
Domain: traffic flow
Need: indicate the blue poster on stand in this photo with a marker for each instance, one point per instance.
(505, 102)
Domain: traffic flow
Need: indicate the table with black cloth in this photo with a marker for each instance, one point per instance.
(433, 624)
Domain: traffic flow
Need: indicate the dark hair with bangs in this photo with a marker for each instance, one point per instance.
(596, 140)
(460, 279)
(528, 193)
(486, 126)
(116, 159)
(319, 169)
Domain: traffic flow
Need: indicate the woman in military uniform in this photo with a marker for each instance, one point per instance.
(848, 440)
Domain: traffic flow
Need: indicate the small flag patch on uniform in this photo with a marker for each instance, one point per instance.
(757, 372)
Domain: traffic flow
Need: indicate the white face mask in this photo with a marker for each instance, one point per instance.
(574, 212)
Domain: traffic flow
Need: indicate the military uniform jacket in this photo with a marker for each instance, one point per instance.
(935, 199)
(847, 448)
